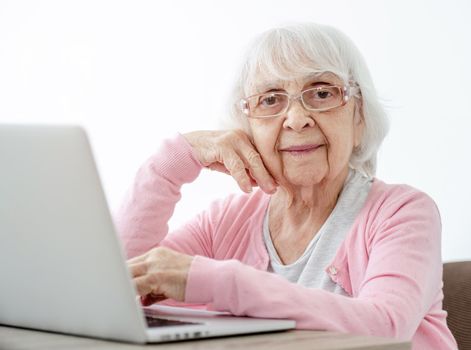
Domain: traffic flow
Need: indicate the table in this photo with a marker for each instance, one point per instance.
(24, 339)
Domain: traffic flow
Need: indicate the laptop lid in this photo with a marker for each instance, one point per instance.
(52, 207)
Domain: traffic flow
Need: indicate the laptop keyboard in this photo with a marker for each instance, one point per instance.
(161, 322)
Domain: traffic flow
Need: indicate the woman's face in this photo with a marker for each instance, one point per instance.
(303, 147)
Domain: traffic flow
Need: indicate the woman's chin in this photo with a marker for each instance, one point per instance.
(303, 180)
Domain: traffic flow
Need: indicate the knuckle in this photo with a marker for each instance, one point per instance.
(241, 138)
(254, 159)
(232, 137)
(157, 251)
(156, 279)
(153, 279)
(240, 133)
(142, 268)
(236, 166)
(225, 138)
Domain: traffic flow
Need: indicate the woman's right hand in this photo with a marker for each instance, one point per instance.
(232, 152)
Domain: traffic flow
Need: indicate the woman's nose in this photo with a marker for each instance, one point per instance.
(297, 117)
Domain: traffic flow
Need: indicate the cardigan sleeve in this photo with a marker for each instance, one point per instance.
(142, 219)
(401, 282)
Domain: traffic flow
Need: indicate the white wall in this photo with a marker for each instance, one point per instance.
(118, 68)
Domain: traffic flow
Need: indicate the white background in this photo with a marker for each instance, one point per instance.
(135, 72)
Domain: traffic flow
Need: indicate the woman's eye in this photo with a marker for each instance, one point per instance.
(323, 94)
(269, 100)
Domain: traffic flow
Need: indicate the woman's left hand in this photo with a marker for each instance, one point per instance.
(159, 274)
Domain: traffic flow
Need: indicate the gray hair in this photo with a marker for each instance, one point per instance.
(295, 51)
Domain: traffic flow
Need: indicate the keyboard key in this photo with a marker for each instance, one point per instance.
(161, 322)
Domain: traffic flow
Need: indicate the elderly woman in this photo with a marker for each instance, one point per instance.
(321, 241)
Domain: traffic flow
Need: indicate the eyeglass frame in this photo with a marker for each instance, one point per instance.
(348, 91)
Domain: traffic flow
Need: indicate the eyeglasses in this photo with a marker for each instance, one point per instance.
(316, 99)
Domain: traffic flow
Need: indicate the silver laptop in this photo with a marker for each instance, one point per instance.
(61, 264)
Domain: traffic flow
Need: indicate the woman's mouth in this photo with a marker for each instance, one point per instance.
(300, 149)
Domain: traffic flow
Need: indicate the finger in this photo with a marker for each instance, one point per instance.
(143, 285)
(138, 269)
(236, 167)
(253, 182)
(253, 161)
(219, 167)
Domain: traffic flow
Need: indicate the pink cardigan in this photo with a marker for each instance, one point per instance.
(390, 262)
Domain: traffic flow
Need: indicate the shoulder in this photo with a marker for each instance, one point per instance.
(386, 200)
(399, 207)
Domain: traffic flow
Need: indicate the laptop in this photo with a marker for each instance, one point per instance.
(62, 266)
